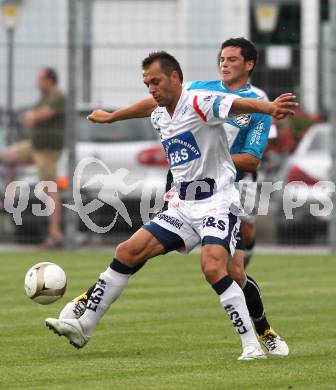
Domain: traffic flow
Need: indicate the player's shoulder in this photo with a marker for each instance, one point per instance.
(210, 85)
(247, 92)
(204, 98)
(259, 92)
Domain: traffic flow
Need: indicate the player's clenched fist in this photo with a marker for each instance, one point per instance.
(100, 116)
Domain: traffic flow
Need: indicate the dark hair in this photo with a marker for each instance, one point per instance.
(167, 62)
(51, 74)
(248, 49)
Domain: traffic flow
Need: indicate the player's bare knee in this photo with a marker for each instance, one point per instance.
(121, 251)
(213, 264)
(212, 271)
(237, 273)
(127, 253)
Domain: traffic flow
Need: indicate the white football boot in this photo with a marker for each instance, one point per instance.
(71, 329)
(274, 344)
(252, 352)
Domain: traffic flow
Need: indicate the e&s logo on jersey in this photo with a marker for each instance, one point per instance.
(181, 149)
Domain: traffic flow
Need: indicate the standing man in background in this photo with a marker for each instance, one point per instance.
(45, 125)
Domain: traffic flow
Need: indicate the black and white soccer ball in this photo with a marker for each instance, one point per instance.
(45, 283)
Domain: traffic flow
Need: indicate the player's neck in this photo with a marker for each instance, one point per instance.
(236, 85)
(171, 108)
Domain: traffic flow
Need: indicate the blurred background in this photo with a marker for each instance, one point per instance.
(95, 48)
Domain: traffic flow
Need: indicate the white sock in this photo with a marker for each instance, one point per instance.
(108, 288)
(233, 301)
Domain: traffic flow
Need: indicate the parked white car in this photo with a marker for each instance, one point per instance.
(304, 206)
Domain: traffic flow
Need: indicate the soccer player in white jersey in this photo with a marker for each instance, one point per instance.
(191, 132)
(236, 60)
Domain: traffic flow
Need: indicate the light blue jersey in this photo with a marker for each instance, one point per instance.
(247, 133)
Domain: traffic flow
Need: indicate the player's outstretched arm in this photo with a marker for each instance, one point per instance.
(281, 107)
(140, 109)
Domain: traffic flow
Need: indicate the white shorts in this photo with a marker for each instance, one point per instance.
(187, 223)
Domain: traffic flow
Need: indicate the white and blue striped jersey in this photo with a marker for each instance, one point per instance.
(194, 141)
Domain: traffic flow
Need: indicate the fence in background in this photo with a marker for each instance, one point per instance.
(111, 40)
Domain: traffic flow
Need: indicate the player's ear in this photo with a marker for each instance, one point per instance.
(174, 76)
(250, 65)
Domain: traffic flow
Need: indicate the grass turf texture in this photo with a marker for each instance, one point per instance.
(168, 331)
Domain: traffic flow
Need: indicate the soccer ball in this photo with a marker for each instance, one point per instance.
(45, 283)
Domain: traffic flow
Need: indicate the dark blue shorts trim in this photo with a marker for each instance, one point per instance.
(218, 241)
(240, 242)
(171, 241)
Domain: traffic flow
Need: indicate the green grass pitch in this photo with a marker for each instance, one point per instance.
(168, 331)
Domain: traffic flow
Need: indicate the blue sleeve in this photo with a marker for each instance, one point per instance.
(257, 136)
